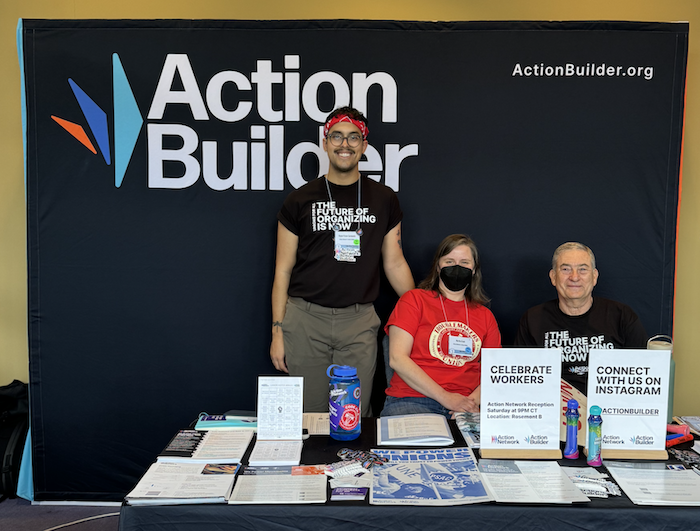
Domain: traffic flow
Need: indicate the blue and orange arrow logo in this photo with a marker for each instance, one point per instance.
(127, 122)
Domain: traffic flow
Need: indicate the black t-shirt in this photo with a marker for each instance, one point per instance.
(608, 324)
(308, 213)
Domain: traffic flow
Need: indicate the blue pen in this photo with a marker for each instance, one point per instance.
(673, 436)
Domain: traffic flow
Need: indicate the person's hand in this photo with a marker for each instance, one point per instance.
(457, 403)
(277, 352)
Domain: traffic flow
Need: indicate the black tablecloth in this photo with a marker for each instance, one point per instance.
(614, 513)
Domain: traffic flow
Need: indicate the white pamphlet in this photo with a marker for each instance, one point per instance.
(281, 484)
(183, 483)
(528, 482)
(654, 484)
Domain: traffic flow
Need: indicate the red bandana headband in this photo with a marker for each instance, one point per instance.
(345, 118)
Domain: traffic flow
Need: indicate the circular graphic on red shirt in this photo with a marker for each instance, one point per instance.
(350, 417)
(440, 340)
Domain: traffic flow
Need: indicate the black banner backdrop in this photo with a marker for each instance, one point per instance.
(158, 154)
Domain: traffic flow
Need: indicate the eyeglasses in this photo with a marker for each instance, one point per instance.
(337, 139)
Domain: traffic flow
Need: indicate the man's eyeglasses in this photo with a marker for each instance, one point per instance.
(354, 139)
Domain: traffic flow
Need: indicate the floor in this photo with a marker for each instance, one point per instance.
(20, 515)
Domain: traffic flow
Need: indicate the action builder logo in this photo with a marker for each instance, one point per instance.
(258, 164)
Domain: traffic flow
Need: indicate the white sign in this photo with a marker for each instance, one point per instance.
(520, 394)
(631, 388)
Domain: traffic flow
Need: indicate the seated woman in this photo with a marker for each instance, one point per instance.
(436, 333)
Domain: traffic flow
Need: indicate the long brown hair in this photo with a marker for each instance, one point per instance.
(475, 292)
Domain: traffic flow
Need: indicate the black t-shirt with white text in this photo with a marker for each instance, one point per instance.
(607, 325)
(310, 214)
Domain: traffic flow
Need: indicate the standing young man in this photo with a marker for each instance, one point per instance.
(332, 235)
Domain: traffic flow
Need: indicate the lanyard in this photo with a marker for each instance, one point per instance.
(466, 309)
(359, 196)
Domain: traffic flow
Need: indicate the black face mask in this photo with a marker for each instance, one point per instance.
(456, 277)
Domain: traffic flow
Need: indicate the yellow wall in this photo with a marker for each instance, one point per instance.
(13, 278)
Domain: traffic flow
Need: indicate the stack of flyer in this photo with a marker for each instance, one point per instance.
(210, 447)
(529, 482)
(280, 484)
(195, 467)
(183, 483)
(655, 484)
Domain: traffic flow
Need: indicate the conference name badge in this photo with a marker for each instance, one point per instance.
(347, 245)
(460, 346)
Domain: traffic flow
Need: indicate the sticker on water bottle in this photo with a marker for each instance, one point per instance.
(350, 417)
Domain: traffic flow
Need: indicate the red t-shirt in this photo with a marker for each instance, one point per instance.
(453, 365)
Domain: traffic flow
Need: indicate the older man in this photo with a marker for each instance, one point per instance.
(333, 233)
(576, 321)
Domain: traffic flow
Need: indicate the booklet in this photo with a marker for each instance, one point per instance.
(528, 482)
(426, 429)
(183, 483)
(443, 476)
(223, 446)
(654, 484)
(280, 484)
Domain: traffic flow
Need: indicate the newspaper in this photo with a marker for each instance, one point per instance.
(446, 476)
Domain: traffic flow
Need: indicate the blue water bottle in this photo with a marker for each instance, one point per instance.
(571, 448)
(595, 437)
(344, 402)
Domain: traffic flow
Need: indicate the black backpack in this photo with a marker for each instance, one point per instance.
(14, 422)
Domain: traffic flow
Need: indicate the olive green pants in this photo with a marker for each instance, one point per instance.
(316, 337)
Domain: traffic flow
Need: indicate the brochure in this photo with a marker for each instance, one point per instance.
(414, 430)
(217, 446)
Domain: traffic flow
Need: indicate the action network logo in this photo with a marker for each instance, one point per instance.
(127, 122)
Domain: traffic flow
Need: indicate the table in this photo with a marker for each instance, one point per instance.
(598, 515)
